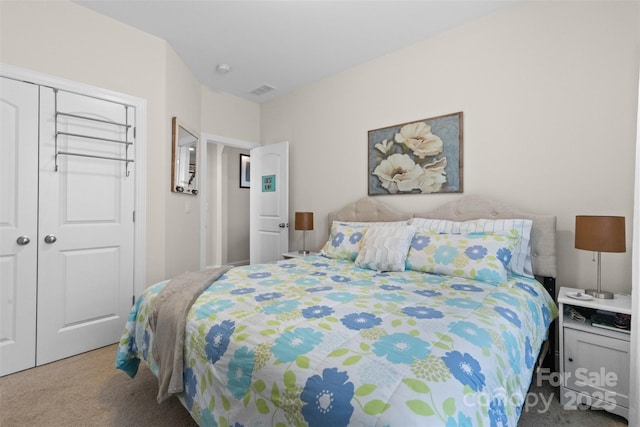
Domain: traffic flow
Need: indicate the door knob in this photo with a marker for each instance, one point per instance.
(50, 238)
(23, 240)
(282, 225)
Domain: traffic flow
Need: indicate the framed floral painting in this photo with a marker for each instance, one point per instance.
(419, 157)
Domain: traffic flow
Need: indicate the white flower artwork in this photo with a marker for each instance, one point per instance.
(419, 157)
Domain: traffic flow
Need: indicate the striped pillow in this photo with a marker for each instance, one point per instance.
(385, 248)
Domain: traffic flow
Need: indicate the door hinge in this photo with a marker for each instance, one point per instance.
(133, 300)
(134, 216)
(134, 133)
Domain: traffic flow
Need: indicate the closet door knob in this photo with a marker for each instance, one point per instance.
(23, 240)
(50, 238)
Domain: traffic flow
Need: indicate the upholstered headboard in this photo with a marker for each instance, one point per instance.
(368, 209)
(543, 232)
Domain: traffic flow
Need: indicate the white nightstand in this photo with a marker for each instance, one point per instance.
(594, 361)
(296, 254)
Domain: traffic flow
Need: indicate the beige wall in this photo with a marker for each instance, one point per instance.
(182, 232)
(68, 41)
(227, 115)
(549, 95)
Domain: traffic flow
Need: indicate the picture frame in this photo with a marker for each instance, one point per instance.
(418, 157)
(245, 171)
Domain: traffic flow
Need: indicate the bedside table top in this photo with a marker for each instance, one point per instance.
(619, 303)
(296, 254)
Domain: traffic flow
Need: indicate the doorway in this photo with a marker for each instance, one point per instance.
(224, 216)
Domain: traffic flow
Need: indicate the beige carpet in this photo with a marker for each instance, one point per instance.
(541, 414)
(87, 390)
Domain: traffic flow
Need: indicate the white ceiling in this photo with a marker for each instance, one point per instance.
(287, 44)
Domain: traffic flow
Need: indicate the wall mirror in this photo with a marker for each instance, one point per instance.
(184, 160)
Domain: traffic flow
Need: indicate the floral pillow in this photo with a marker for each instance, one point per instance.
(478, 256)
(385, 248)
(345, 238)
(520, 263)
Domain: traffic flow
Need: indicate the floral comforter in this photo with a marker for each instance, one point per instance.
(319, 342)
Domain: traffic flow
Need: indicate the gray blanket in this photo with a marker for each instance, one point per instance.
(168, 321)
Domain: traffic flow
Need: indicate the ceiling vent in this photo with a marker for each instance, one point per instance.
(262, 90)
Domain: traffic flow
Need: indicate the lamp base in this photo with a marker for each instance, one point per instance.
(303, 251)
(599, 294)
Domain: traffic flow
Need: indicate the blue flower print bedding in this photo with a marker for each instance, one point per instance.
(320, 342)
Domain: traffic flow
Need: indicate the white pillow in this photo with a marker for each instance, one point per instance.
(521, 228)
(385, 248)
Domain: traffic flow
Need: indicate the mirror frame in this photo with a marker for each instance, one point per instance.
(178, 130)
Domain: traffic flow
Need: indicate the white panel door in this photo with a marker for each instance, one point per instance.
(269, 203)
(85, 268)
(18, 224)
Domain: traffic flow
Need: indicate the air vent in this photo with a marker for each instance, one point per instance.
(262, 90)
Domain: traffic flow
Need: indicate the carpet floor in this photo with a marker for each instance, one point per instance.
(86, 390)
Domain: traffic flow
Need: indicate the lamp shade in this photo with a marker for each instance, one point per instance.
(600, 233)
(304, 221)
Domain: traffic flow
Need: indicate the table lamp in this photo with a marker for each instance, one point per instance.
(304, 222)
(600, 234)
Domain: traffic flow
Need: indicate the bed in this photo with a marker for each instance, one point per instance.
(348, 338)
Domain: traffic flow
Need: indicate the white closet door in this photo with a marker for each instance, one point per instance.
(85, 277)
(18, 218)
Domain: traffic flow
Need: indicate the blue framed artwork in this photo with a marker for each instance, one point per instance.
(268, 183)
(421, 157)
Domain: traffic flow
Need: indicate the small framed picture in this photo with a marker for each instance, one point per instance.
(245, 170)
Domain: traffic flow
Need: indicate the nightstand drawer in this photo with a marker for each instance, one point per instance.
(597, 365)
